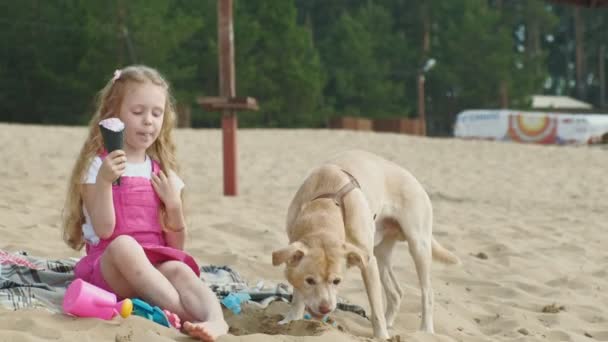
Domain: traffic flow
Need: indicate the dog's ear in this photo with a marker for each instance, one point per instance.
(291, 254)
(355, 256)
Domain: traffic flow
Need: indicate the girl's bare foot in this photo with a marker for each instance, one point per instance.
(206, 331)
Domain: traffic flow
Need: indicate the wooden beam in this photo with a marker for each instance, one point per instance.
(218, 103)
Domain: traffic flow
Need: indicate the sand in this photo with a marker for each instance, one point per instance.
(527, 221)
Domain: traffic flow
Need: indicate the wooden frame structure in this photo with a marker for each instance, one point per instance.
(227, 103)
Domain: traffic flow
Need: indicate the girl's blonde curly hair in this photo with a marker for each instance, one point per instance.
(109, 101)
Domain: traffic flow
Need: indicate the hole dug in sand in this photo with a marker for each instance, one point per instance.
(255, 320)
(553, 308)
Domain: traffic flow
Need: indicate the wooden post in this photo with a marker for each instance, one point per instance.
(602, 72)
(227, 103)
(504, 94)
(580, 53)
(227, 90)
(421, 113)
(184, 115)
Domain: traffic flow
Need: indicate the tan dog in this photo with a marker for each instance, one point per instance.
(352, 210)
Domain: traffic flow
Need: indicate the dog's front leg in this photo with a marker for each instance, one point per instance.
(371, 278)
(296, 311)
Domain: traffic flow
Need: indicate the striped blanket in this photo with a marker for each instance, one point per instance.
(31, 282)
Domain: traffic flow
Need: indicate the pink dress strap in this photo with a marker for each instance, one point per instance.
(155, 167)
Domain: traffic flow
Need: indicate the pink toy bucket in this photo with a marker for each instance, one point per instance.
(86, 300)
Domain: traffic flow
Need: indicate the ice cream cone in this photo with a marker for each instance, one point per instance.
(112, 136)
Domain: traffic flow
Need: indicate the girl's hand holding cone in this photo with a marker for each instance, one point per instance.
(113, 166)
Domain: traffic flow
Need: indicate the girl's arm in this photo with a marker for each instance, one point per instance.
(175, 227)
(98, 197)
(174, 222)
(98, 202)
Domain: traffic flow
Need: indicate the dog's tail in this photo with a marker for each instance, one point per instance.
(441, 254)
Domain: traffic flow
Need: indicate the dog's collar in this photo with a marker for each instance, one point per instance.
(338, 197)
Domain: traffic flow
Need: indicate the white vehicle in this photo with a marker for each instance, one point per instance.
(531, 127)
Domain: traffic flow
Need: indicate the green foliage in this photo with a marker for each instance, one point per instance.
(357, 60)
(277, 64)
(303, 60)
(40, 42)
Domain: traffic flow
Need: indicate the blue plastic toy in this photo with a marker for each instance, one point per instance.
(233, 301)
(153, 313)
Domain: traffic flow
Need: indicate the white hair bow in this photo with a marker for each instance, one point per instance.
(117, 73)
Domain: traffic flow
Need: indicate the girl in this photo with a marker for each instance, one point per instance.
(134, 232)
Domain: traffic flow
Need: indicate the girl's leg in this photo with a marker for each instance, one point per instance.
(129, 273)
(205, 319)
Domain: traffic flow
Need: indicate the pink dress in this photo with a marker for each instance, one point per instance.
(136, 206)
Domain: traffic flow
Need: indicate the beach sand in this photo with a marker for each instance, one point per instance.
(528, 222)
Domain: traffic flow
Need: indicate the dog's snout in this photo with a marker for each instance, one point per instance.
(324, 309)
